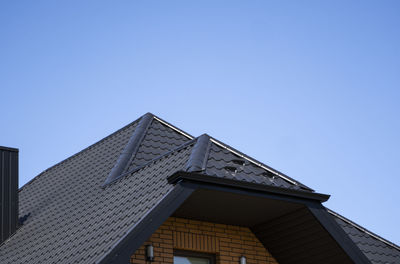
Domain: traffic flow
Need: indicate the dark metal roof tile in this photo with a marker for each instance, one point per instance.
(374, 248)
(74, 220)
(159, 140)
(219, 159)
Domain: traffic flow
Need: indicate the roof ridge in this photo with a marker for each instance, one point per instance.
(182, 146)
(165, 123)
(198, 157)
(121, 167)
(259, 164)
(363, 229)
(131, 148)
(79, 152)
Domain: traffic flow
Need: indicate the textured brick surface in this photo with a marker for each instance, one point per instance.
(227, 242)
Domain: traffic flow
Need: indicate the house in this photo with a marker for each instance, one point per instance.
(152, 193)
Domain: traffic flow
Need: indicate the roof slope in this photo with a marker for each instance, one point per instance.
(223, 161)
(159, 139)
(75, 218)
(375, 248)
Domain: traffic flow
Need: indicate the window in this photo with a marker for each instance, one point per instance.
(189, 257)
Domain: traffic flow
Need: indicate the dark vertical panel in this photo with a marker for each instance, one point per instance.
(9, 192)
(14, 191)
(2, 192)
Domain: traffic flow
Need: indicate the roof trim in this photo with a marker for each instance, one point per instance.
(130, 149)
(338, 234)
(260, 164)
(198, 157)
(173, 127)
(197, 177)
(155, 216)
(142, 230)
(9, 149)
(362, 229)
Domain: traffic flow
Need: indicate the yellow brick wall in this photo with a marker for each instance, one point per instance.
(227, 242)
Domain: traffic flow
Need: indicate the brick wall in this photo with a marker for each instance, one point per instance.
(227, 242)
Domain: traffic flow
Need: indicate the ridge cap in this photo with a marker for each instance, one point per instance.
(130, 149)
(78, 153)
(199, 155)
(176, 129)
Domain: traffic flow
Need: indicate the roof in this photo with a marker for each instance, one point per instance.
(83, 206)
(377, 249)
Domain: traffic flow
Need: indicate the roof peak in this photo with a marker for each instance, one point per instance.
(128, 155)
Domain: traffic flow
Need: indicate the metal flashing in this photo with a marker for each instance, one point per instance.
(197, 177)
(173, 127)
(198, 157)
(130, 149)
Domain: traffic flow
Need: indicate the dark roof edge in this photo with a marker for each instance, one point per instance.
(260, 164)
(198, 157)
(76, 154)
(144, 228)
(362, 229)
(9, 149)
(197, 177)
(338, 234)
(130, 149)
(173, 127)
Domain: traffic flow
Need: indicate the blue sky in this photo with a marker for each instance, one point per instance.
(311, 88)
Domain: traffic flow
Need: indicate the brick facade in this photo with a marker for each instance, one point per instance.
(227, 242)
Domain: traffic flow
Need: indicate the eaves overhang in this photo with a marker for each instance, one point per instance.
(186, 184)
(201, 178)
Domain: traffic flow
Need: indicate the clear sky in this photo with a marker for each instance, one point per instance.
(311, 88)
